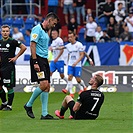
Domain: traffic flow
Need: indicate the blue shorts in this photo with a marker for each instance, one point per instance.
(75, 71)
(68, 8)
(59, 66)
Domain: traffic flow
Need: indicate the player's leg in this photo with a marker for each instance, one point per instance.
(3, 97)
(65, 104)
(80, 82)
(69, 84)
(52, 70)
(60, 68)
(10, 76)
(45, 86)
(36, 92)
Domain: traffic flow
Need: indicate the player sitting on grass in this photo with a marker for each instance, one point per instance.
(88, 103)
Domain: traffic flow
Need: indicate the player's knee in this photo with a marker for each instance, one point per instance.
(44, 86)
(78, 80)
(68, 98)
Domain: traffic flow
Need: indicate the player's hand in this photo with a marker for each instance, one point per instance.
(55, 60)
(74, 64)
(12, 59)
(36, 67)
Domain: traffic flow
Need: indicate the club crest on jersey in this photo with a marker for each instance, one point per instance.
(7, 45)
(34, 36)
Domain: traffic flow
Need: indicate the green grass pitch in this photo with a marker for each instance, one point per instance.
(116, 116)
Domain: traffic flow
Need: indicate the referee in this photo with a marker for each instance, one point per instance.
(40, 71)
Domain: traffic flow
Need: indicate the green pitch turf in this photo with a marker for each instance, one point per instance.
(115, 116)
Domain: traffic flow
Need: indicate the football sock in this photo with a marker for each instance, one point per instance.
(10, 96)
(70, 106)
(3, 95)
(65, 79)
(34, 95)
(79, 86)
(69, 85)
(51, 80)
(82, 84)
(62, 111)
(44, 100)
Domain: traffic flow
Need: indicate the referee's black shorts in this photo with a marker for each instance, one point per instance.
(44, 73)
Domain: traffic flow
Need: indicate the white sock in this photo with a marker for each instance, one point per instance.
(69, 86)
(65, 79)
(51, 80)
(80, 87)
(82, 84)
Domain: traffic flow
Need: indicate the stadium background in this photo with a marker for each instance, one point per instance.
(108, 57)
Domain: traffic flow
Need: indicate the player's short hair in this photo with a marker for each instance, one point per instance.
(71, 32)
(5, 26)
(99, 80)
(52, 15)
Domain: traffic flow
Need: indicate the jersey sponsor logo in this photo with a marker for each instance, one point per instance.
(34, 36)
(8, 45)
(6, 80)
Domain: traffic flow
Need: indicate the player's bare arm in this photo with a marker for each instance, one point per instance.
(76, 106)
(22, 49)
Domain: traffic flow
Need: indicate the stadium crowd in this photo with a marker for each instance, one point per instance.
(114, 23)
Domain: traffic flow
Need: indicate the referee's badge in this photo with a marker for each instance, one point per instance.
(40, 75)
(34, 36)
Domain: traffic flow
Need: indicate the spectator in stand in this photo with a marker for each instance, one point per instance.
(120, 1)
(90, 33)
(80, 10)
(98, 34)
(27, 37)
(108, 9)
(58, 28)
(67, 8)
(105, 37)
(72, 26)
(53, 6)
(90, 29)
(39, 19)
(130, 7)
(28, 6)
(17, 35)
(111, 29)
(126, 35)
(119, 14)
(89, 14)
(129, 22)
(7, 6)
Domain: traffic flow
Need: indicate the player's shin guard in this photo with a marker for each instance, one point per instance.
(3, 95)
(10, 97)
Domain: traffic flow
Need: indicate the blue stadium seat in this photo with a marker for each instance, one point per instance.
(81, 35)
(103, 23)
(8, 21)
(0, 21)
(29, 23)
(18, 22)
(22, 30)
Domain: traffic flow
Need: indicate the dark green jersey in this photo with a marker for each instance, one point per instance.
(7, 50)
